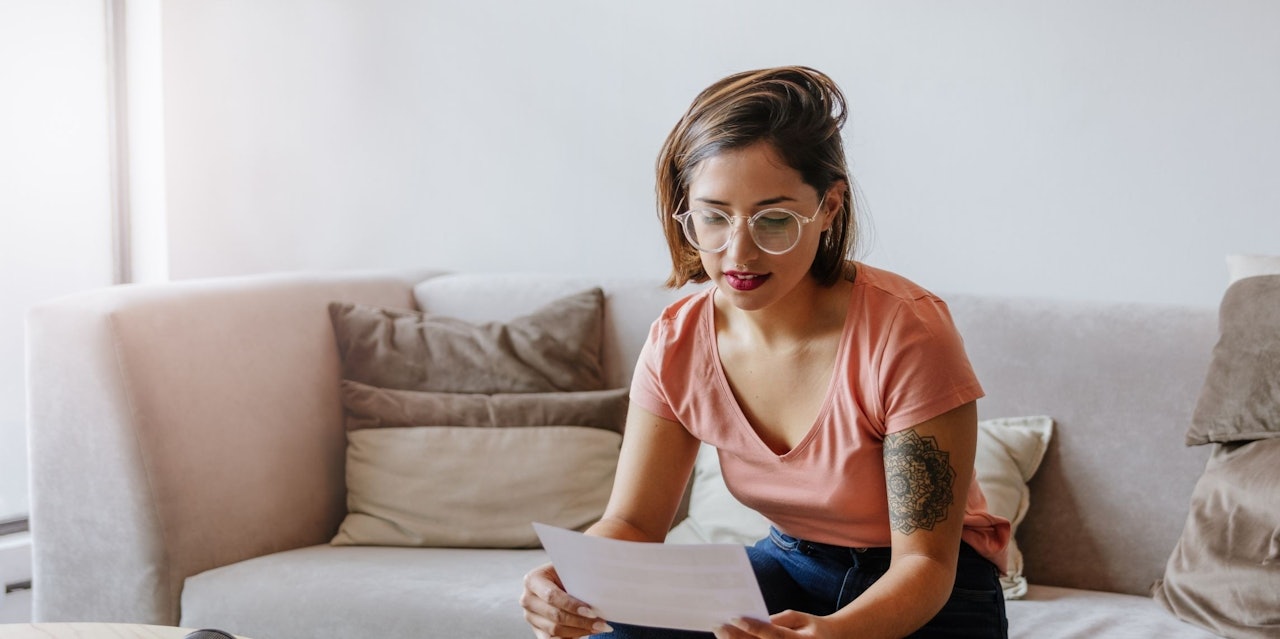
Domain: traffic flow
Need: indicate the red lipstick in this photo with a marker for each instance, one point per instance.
(744, 281)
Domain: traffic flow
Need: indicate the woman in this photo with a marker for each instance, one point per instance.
(838, 395)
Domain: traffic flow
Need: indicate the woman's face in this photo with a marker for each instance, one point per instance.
(740, 183)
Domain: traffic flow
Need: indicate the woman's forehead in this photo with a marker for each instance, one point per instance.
(747, 175)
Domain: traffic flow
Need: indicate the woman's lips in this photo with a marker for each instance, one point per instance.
(741, 281)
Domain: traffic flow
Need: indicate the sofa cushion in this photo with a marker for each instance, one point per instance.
(474, 487)
(555, 348)
(407, 593)
(1240, 400)
(1224, 574)
(1009, 453)
(1047, 612)
(349, 591)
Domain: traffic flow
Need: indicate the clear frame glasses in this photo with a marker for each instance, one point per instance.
(774, 231)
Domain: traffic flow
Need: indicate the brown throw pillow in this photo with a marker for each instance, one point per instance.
(555, 348)
(372, 407)
(1240, 400)
(1224, 573)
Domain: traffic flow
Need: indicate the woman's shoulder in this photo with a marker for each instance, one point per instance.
(681, 318)
(896, 303)
(877, 282)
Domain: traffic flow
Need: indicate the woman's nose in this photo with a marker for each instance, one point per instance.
(741, 245)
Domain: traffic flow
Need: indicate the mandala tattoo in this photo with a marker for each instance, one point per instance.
(919, 477)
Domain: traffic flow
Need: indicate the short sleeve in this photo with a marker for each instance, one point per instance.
(924, 370)
(646, 382)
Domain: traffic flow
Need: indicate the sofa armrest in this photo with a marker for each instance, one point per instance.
(178, 427)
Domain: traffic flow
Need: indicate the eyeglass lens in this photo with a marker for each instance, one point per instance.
(774, 230)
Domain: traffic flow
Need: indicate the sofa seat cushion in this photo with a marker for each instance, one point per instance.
(393, 593)
(1067, 613)
(350, 591)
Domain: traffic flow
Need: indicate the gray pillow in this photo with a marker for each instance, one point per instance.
(1240, 400)
(555, 348)
(372, 407)
(1224, 574)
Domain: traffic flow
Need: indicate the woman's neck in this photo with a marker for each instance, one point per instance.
(810, 309)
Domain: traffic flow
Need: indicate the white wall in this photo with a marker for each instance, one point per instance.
(1084, 150)
(1098, 149)
(55, 234)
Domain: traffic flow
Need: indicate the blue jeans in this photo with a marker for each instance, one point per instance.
(819, 579)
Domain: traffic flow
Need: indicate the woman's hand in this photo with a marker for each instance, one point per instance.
(788, 624)
(552, 612)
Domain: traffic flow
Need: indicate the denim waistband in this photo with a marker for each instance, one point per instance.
(844, 554)
(851, 555)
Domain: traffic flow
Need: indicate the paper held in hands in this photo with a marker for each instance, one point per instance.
(686, 587)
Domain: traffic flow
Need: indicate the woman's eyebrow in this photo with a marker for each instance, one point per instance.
(768, 202)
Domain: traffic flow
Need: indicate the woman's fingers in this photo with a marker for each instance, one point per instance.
(552, 611)
(786, 625)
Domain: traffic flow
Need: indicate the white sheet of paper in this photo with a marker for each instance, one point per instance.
(687, 587)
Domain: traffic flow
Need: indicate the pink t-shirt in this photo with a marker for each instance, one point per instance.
(901, 362)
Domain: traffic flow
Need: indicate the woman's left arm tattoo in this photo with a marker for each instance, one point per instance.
(919, 478)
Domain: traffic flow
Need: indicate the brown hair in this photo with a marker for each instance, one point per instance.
(799, 111)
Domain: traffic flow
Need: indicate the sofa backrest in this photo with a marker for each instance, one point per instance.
(1120, 381)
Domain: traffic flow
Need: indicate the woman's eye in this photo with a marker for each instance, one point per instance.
(773, 222)
(712, 219)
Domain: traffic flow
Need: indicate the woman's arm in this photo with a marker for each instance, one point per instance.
(928, 469)
(653, 467)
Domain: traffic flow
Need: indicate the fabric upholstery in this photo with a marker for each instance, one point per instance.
(366, 592)
(1120, 381)
(1048, 612)
(179, 427)
(474, 487)
(252, 366)
(1240, 400)
(372, 407)
(555, 348)
(406, 593)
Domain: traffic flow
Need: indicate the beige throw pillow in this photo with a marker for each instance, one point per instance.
(474, 487)
(715, 515)
(1224, 574)
(1009, 452)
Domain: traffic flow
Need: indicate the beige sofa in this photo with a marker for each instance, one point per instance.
(187, 449)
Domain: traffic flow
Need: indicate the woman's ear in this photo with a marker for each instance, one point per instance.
(832, 202)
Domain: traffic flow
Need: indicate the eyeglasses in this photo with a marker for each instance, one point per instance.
(775, 231)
